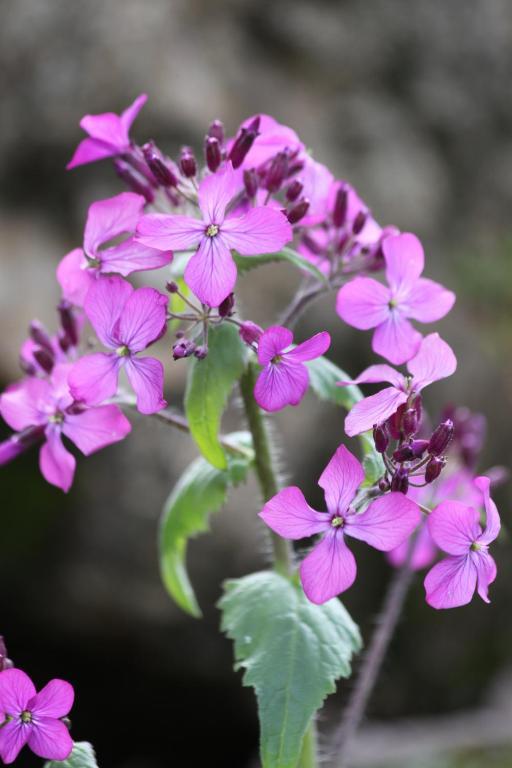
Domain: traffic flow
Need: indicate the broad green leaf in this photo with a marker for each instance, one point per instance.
(374, 468)
(209, 385)
(246, 263)
(176, 304)
(292, 652)
(201, 490)
(82, 756)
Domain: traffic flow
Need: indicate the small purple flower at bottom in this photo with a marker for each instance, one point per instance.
(126, 321)
(34, 718)
(330, 568)
(285, 379)
(455, 528)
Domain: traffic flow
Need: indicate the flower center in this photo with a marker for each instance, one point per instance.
(212, 230)
(276, 359)
(122, 351)
(56, 418)
(475, 547)
(337, 521)
(392, 303)
(26, 716)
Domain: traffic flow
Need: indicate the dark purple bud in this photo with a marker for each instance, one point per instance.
(294, 190)
(295, 168)
(172, 287)
(201, 352)
(404, 453)
(5, 662)
(394, 423)
(419, 447)
(158, 165)
(133, 179)
(410, 422)
(244, 142)
(277, 172)
(212, 153)
(179, 334)
(183, 348)
(400, 480)
(418, 404)
(339, 214)
(312, 245)
(384, 485)
(188, 163)
(44, 358)
(441, 438)
(39, 334)
(434, 468)
(251, 182)
(26, 366)
(298, 211)
(359, 221)
(250, 332)
(68, 322)
(64, 341)
(226, 307)
(380, 438)
(216, 131)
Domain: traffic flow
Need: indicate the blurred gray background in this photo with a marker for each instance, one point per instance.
(410, 100)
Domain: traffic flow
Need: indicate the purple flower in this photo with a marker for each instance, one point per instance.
(126, 321)
(211, 272)
(330, 568)
(43, 409)
(434, 361)
(106, 220)
(108, 134)
(364, 303)
(455, 528)
(34, 718)
(285, 379)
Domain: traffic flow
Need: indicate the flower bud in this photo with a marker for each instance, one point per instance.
(250, 332)
(339, 213)
(44, 358)
(158, 166)
(298, 211)
(441, 438)
(39, 334)
(5, 662)
(226, 307)
(384, 485)
(277, 172)
(216, 131)
(410, 422)
(212, 153)
(188, 163)
(400, 480)
(251, 182)
(434, 468)
(201, 352)
(183, 348)
(68, 321)
(359, 221)
(380, 438)
(172, 287)
(294, 190)
(394, 423)
(244, 142)
(419, 447)
(404, 453)
(133, 179)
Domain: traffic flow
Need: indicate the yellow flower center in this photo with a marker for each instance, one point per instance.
(212, 230)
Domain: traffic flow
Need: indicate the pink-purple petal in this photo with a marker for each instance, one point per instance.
(103, 306)
(90, 150)
(94, 378)
(451, 582)
(23, 404)
(340, 480)
(143, 319)
(281, 384)
(404, 260)
(169, 232)
(16, 690)
(272, 342)
(261, 230)
(106, 127)
(428, 301)
(493, 522)
(454, 527)
(486, 572)
(130, 113)
(146, 376)
(329, 569)
(54, 700)
(57, 465)
(74, 277)
(216, 192)
(396, 339)
(110, 218)
(211, 272)
(423, 553)
(375, 374)
(95, 428)
(386, 523)
(434, 361)
(50, 739)
(132, 256)
(289, 515)
(310, 349)
(373, 410)
(13, 737)
(363, 303)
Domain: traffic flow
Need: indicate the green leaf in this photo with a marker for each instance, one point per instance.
(176, 304)
(201, 490)
(209, 384)
(82, 756)
(246, 263)
(323, 377)
(292, 652)
(374, 468)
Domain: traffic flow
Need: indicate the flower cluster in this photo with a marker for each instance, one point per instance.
(259, 193)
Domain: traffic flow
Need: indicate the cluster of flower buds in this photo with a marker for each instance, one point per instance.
(41, 352)
(410, 459)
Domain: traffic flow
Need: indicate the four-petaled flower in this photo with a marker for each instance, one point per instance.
(330, 568)
(108, 134)
(33, 718)
(434, 361)
(365, 303)
(46, 408)
(106, 220)
(211, 272)
(285, 379)
(126, 321)
(455, 528)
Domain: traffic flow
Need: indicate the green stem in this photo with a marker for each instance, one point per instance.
(263, 460)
